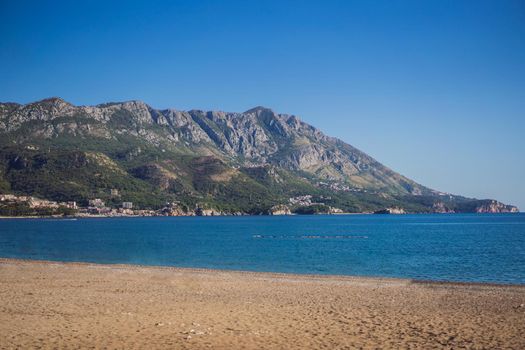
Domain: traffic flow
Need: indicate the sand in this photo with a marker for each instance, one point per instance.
(72, 305)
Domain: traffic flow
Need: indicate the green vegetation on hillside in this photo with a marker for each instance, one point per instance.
(228, 162)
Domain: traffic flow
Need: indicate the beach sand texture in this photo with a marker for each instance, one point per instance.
(70, 305)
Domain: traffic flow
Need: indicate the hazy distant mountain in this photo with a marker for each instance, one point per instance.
(232, 162)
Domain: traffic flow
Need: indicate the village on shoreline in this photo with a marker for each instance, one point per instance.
(32, 207)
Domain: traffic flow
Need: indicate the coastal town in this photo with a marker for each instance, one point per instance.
(14, 205)
(29, 206)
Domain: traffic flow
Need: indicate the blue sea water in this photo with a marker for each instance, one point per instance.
(457, 247)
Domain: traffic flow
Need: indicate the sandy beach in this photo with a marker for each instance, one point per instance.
(72, 305)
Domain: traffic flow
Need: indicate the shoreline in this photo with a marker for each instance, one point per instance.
(185, 216)
(244, 215)
(47, 304)
(261, 274)
(197, 270)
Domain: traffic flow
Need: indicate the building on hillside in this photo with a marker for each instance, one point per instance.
(7, 197)
(97, 203)
(71, 205)
(41, 203)
(127, 205)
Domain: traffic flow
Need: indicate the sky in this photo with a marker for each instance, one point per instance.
(433, 89)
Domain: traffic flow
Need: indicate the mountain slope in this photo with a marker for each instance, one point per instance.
(233, 162)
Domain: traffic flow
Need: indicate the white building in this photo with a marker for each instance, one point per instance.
(97, 202)
(72, 205)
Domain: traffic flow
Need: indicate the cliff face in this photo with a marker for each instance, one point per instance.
(156, 146)
(256, 137)
(492, 206)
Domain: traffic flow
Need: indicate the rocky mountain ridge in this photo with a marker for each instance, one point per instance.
(176, 152)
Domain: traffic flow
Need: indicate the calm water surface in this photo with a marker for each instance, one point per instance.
(459, 247)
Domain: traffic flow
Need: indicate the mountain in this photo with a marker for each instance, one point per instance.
(231, 162)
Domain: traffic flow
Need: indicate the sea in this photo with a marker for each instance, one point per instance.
(486, 248)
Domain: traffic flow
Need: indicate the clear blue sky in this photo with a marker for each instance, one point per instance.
(433, 89)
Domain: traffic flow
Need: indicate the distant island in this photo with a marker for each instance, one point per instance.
(128, 158)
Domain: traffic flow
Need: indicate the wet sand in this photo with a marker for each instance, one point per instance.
(73, 305)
